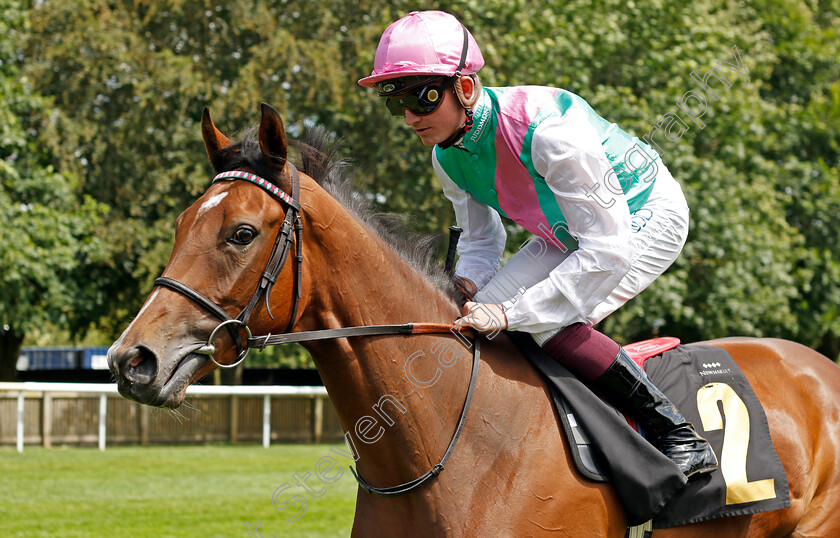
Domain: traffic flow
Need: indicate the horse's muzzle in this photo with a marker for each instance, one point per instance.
(141, 378)
(135, 370)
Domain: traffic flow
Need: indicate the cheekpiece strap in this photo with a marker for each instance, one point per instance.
(266, 185)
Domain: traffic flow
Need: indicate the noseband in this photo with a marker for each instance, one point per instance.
(279, 255)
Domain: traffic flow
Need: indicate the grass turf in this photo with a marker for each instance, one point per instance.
(161, 491)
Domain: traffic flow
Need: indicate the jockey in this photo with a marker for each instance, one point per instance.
(607, 216)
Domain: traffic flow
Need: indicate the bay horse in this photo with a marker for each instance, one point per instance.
(511, 473)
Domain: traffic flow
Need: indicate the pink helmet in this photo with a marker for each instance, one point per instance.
(424, 43)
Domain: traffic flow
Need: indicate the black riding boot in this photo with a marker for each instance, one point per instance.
(627, 385)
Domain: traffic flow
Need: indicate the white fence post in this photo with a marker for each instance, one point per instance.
(318, 425)
(46, 419)
(103, 419)
(20, 422)
(266, 420)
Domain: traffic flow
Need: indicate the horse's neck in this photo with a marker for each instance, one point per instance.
(355, 279)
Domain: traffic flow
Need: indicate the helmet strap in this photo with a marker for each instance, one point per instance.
(466, 103)
(459, 133)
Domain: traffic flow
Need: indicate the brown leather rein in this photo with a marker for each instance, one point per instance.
(276, 262)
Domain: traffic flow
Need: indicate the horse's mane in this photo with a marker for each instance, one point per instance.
(319, 160)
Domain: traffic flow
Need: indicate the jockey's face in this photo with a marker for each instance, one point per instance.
(439, 125)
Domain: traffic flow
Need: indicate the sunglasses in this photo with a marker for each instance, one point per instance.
(421, 101)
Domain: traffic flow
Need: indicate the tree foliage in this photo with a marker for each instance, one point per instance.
(48, 228)
(128, 80)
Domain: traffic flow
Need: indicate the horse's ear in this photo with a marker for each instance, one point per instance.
(214, 140)
(273, 137)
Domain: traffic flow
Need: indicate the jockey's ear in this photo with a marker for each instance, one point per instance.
(467, 88)
(273, 137)
(214, 140)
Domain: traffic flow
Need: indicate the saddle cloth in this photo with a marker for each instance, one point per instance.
(709, 389)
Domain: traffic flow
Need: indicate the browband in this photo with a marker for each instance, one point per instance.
(268, 186)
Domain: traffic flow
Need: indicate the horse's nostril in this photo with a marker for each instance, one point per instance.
(139, 366)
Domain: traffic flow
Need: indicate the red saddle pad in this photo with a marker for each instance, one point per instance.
(640, 351)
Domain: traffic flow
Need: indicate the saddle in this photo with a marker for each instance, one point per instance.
(705, 383)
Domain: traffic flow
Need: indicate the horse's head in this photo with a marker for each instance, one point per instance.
(223, 246)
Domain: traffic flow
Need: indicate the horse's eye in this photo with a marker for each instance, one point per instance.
(243, 235)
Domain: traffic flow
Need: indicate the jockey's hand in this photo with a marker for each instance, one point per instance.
(484, 317)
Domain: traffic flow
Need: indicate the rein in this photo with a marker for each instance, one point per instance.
(276, 262)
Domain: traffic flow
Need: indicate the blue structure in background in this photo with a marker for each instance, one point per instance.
(62, 358)
(81, 364)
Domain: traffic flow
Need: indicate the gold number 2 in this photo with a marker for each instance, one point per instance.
(736, 437)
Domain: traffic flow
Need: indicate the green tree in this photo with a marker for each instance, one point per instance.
(48, 228)
(801, 152)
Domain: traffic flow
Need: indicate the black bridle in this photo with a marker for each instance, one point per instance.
(279, 255)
